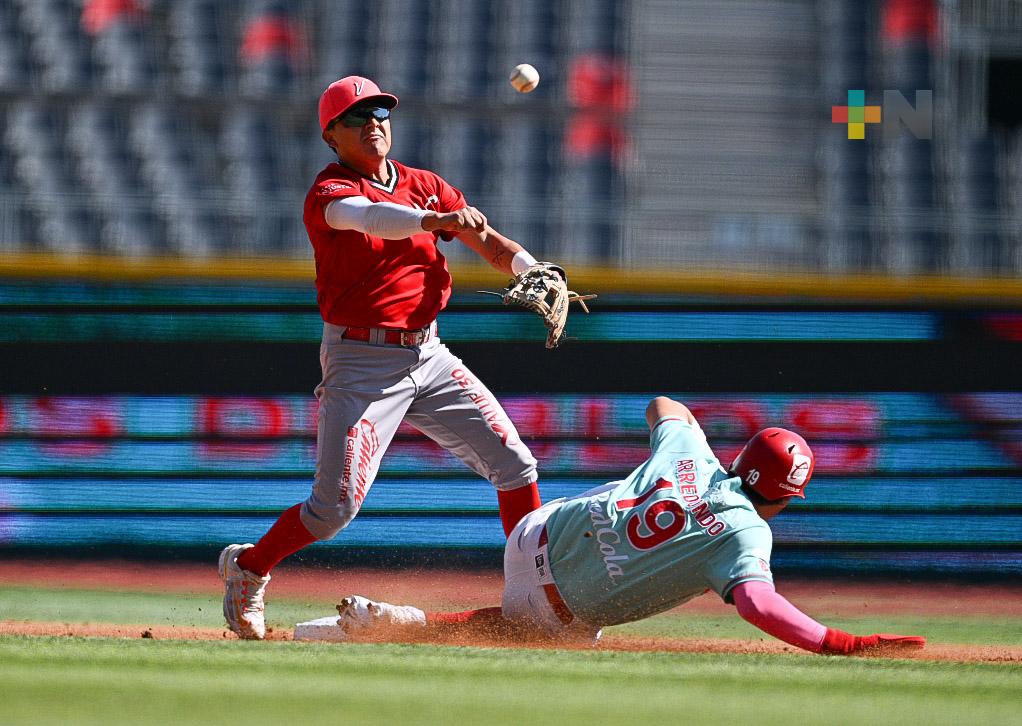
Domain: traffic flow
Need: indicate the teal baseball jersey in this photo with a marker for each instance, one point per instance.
(679, 525)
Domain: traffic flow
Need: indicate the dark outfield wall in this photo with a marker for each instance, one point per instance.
(174, 421)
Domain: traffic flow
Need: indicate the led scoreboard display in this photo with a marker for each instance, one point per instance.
(901, 478)
(182, 417)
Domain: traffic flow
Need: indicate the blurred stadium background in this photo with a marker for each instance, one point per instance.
(158, 330)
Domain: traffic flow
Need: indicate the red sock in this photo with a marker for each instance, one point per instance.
(286, 536)
(516, 503)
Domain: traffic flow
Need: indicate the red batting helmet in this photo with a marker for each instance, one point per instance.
(345, 93)
(775, 463)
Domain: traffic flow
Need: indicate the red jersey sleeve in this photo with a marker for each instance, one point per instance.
(449, 199)
(329, 185)
(327, 189)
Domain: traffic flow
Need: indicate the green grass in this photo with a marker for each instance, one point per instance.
(102, 681)
(110, 681)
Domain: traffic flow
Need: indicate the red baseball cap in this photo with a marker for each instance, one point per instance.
(345, 93)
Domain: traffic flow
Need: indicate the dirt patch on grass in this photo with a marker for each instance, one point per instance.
(108, 630)
(442, 589)
(457, 589)
(618, 643)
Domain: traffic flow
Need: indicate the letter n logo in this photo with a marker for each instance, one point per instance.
(918, 120)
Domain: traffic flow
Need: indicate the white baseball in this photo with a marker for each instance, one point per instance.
(524, 78)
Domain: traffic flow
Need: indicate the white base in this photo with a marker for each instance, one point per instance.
(322, 629)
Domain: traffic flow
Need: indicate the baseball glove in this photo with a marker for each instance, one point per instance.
(543, 289)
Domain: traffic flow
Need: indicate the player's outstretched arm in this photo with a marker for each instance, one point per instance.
(838, 642)
(662, 406)
(466, 219)
(759, 604)
(498, 250)
(380, 219)
(398, 221)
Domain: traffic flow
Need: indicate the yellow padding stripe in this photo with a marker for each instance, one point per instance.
(732, 284)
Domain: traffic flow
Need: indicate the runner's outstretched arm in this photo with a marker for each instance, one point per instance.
(759, 604)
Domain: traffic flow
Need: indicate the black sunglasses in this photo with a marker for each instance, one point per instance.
(360, 116)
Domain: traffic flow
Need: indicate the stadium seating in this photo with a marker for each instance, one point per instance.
(909, 207)
(61, 220)
(848, 186)
(337, 48)
(273, 51)
(907, 66)
(461, 69)
(726, 145)
(463, 142)
(977, 188)
(95, 139)
(174, 161)
(197, 48)
(405, 53)
(1013, 180)
(13, 63)
(844, 40)
(56, 45)
(119, 35)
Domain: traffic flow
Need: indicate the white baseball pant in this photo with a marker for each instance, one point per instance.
(528, 579)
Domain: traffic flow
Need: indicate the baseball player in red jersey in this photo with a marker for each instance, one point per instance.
(381, 280)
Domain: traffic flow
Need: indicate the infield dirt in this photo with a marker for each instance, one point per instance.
(442, 589)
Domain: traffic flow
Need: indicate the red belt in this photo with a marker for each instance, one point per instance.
(557, 603)
(406, 338)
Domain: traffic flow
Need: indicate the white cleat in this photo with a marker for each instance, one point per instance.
(244, 607)
(361, 615)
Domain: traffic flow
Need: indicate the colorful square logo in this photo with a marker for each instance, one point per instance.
(856, 114)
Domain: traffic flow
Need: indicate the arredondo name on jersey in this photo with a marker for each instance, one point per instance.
(695, 504)
(655, 525)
